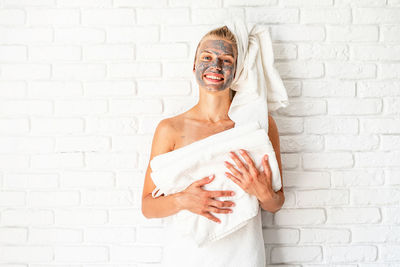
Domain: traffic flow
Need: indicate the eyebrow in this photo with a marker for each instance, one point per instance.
(211, 52)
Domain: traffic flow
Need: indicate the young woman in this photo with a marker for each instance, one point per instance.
(214, 68)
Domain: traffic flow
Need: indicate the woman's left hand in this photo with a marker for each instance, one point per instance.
(249, 178)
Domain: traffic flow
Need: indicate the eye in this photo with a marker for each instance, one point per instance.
(227, 60)
(206, 56)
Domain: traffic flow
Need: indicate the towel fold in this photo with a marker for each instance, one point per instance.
(174, 171)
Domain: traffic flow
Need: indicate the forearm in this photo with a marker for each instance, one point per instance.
(272, 202)
(161, 206)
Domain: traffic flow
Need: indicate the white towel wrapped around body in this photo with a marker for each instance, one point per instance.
(175, 170)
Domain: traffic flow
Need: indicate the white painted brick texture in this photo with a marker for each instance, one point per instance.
(83, 84)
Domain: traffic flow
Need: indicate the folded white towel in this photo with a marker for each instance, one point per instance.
(174, 171)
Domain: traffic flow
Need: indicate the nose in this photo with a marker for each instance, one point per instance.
(218, 64)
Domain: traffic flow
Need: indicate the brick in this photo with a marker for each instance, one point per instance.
(357, 178)
(108, 52)
(81, 217)
(14, 125)
(135, 106)
(132, 143)
(354, 106)
(78, 71)
(272, 15)
(133, 70)
(376, 196)
(12, 88)
(229, 3)
(389, 252)
(183, 33)
(378, 88)
(350, 70)
(26, 107)
(27, 217)
(391, 215)
(132, 34)
(177, 70)
(161, 51)
(163, 88)
(289, 125)
(111, 88)
(87, 179)
(51, 53)
(380, 125)
(54, 89)
(111, 161)
(352, 254)
(375, 234)
(300, 69)
(82, 143)
(13, 53)
(327, 160)
(375, 52)
(30, 180)
(391, 105)
(27, 254)
(57, 161)
(297, 33)
(376, 15)
(331, 125)
(79, 35)
(306, 179)
(23, 3)
(390, 33)
(81, 254)
(11, 199)
(324, 235)
(84, 3)
(25, 36)
(323, 51)
(108, 16)
(325, 15)
(139, 3)
(281, 236)
(353, 215)
(120, 125)
(299, 217)
(25, 71)
(377, 159)
(81, 107)
(321, 197)
(351, 142)
(169, 16)
(9, 161)
(136, 253)
(26, 144)
(216, 15)
(392, 177)
(284, 51)
(356, 3)
(304, 108)
(110, 235)
(61, 17)
(175, 105)
(53, 198)
(296, 254)
(330, 88)
(352, 33)
(57, 125)
(55, 235)
(109, 198)
(15, 235)
(301, 143)
(301, 3)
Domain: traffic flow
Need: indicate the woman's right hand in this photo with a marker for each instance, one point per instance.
(202, 202)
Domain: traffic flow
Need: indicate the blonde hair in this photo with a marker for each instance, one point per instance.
(222, 33)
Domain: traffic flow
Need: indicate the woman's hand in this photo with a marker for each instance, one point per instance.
(200, 201)
(250, 179)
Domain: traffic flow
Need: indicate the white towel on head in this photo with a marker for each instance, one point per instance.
(258, 85)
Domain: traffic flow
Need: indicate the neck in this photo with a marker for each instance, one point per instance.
(213, 106)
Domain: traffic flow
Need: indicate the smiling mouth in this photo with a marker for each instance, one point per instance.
(213, 79)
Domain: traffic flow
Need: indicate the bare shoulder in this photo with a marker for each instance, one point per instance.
(163, 139)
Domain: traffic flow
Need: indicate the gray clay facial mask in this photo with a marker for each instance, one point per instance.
(215, 58)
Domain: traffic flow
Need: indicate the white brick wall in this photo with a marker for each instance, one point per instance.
(83, 83)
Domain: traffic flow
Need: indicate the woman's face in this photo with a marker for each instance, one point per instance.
(215, 65)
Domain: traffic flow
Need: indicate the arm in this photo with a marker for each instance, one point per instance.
(274, 202)
(161, 206)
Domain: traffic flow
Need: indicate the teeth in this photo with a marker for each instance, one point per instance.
(213, 77)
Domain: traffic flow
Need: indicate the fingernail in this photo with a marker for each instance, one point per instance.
(211, 176)
(232, 193)
(266, 157)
